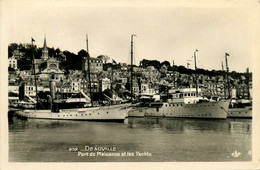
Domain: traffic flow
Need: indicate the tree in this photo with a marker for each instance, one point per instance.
(146, 63)
(24, 64)
(103, 57)
(11, 69)
(82, 53)
(43, 66)
(166, 63)
(73, 61)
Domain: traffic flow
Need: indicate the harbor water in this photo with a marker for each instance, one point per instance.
(136, 140)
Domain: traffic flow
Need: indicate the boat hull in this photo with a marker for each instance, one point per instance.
(209, 110)
(104, 113)
(240, 112)
(137, 112)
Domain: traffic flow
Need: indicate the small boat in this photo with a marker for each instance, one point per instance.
(15, 104)
(240, 108)
(140, 108)
(13, 101)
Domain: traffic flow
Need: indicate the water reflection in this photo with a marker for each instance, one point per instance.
(17, 123)
(168, 139)
(201, 125)
(164, 124)
(240, 126)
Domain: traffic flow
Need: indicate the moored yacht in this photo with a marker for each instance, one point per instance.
(79, 111)
(116, 113)
(240, 108)
(184, 104)
(140, 109)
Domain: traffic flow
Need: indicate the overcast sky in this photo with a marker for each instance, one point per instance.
(164, 32)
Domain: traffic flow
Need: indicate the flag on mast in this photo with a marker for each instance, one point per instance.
(227, 54)
(113, 61)
(188, 64)
(33, 40)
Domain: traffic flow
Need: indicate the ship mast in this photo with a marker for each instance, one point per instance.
(35, 81)
(227, 70)
(224, 80)
(131, 83)
(112, 73)
(248, 83)
(89, 80)
(195, 72)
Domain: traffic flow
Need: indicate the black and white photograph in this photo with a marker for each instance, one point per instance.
(114, 84)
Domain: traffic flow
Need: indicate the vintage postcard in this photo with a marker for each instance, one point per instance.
(129, 84)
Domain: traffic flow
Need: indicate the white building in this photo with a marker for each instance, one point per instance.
(96, 65)
(147, 90)
(105, 84)
(12, 62)
(13, 88)
(29, 90)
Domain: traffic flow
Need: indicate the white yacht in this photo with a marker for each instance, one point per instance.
(61, 109)
(240, 108)
(116, 113)
(185, 104)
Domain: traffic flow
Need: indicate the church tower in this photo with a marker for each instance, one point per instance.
(45, 54)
